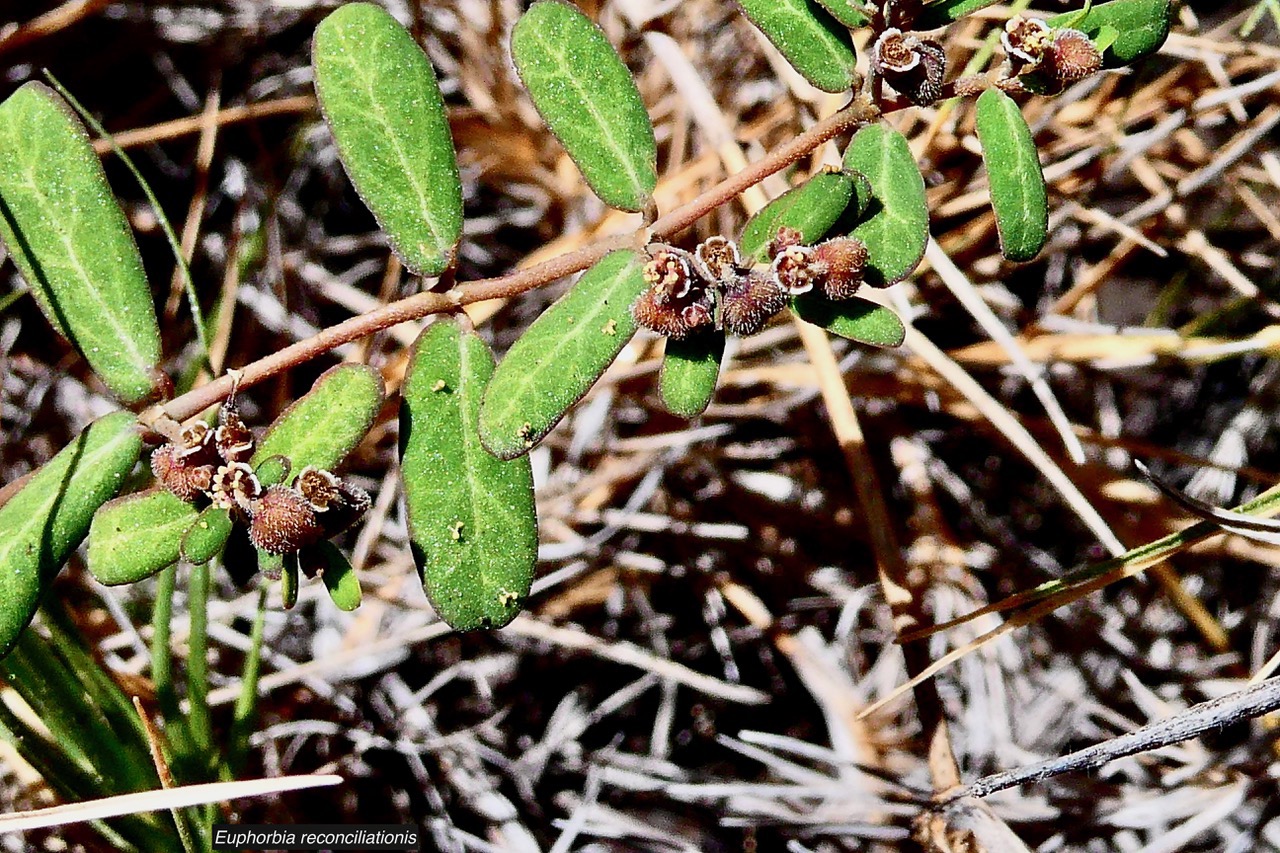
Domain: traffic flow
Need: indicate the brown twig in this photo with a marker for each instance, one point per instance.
(421, 305)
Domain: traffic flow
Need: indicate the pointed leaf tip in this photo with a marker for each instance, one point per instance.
(72, 243)
(472, 521)
(48, 517)
(558, 358)
(1019, 196)
(588, 100)
(380, 97)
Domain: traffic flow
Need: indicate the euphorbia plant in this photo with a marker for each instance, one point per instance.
(269, 503)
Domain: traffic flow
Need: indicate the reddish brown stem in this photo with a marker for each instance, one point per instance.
(420, 305)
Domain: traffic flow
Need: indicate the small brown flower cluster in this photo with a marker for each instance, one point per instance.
(916, 68)
(713, 287)
(1046, 60)
(210, 466)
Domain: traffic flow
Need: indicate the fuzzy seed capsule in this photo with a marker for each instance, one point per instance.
(839, 265)
(749, 302)
(176, 472)
(677, 301)
(1072, 57)
(283, 521)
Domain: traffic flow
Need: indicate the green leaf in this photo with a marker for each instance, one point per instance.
(558, 358)
(206, 536)
(898, 228)
(816, 45)
(848, 12)
(811, 208)
(326, 424)
(72, 243)
(46, 519)
(588, 100)
(1140, 27)
(272, 470)
(339, 577)
(135, 536)
(856, 319)
(943, 12)
(381, 100)
(472, 524)
(289, 583)
(690, 370)
(1018, 193)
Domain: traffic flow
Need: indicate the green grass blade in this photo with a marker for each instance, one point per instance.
(247, 701)
(690, 371)
(472, 524)
(50, 515)
(857, 319)
(135, 536)
(73, 245)
(326, 423)
(811, 208)
(588, 100)
(558, 358)
(1141, 27)
(1018, 192)
(816, 45)
(897, 229)
(381, 100)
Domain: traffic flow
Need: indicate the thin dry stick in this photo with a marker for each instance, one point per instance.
(60, 18)
(195, 209)
(162, 771)
(192, 124)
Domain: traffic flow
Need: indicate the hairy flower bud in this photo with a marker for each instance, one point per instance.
(749, 302)
(1048, 59)
(839, 266)
(177, 473)
(783, 240)
(233, 438)
(717, 260)
(914, 67)
(283, 521)
(677, 301)
(793, 269)
(1072, 57)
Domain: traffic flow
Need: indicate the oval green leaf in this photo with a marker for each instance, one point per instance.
(816, 44)
(811, 208)
(472, 523)
(558, 358)
(340, 579)
(588, 100)
(857, 319)
(326, 424)
(897, 229)
(690, 370)
(48, 517)
(848, 12)
(72, 243)
(135, 536)
(207, 535)
(380, 98)
(272, 470)
(944, 12)
(1018, 193)
(1140, 27)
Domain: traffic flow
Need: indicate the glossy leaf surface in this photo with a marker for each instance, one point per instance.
(135, 536)
(1018, 192)
(340, 578)
(72, 243)
(690, 370)
(472, 522)
(811, 208)
(943, 12)
(558, 358)
(856, 319)
(1139, 27)
(588, 100)
(897, 227)
(326, 424)
(205, 536)
(48, 517)
(816, 44)
(381, 100)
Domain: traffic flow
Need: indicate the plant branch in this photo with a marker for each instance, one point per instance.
(420, 305)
